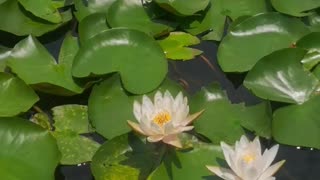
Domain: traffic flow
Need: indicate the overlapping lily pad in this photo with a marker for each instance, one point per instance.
(132, 14)
(13, 102)
(47, 75)
(311, 43)
(126, 157)
(243, 8)
(143, 60)
(22, 144)
(18, 23)
(295, 7)
(281, 77)
(85, 8)
(298, 125)
(255, 37)
(183, 7)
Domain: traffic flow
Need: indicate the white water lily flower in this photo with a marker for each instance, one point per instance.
(163, 119)
(247, 162)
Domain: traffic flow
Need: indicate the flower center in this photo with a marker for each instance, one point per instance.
(162, 118)
(248, 158)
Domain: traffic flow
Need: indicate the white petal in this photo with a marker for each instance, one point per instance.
(257, 146)
(168, 101)
(244, 142)
(137, 110)
(191, 118)
(271, 170)
(158, 100)
(147, 107)
(223, 173)
(155, 138)
(228, 154)
(172, 140)
(136, 127)
(178, 102)
(268, 156)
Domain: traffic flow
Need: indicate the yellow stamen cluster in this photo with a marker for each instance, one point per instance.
(162, 118)
(248, 158)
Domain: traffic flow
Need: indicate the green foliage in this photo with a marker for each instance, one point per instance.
(183, 7)
(27, 151)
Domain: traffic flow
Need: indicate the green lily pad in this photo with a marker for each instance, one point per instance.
(298, 125)
(223, 121)
(12, 100)
(143, 60)
(295, 7)
(174, 46)
(256, 37)
(131, 14)
(105, 99)
(189, 164)
(243, 8)
(71, 117)
(183, 7)
(47, 75)
(126, 157)
(74, 148)
(91, 26)
(314, 21)
(43, 9)
(42, 119)
(4, 53)
(281, 77)
(18, 23)
(85, 8)
(310, 43)
(27, 151)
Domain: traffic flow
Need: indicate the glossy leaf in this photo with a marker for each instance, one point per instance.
(256, 37)
(295, 7)
(298, 125)
(243, 8)
(74, 148)
(174, 46)
(110, 107)
(71, 118)
(12, 100)
(223, 121)
(131, 14)
(27, 151)
(85, 8)
(183, 7)
(43, 9)
(310, 43)
(91, 26)
(189, 164)
(42, 119)
(281, 77)
(4, 53)
(143, 60)
(125, 157)
(18, 23)
(314, 21)
(47, 75)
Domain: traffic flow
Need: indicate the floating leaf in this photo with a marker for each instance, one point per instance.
(310, 43)
(314, 21)
(18, 23)
(256, 37)
(91, 26)
(48, 76)
(189, 164)
(4, 53)
(131, 14)
(281, 77)
(74, 148)
(183, 7)
(42, 119)
(27, 151)
(295, 7)
(243, 8)
(43, 9)
(71, 117)
(174, 46)
(85, 8)
(125, 157)
(110, 107)
(223, 121)
(298, 125)
(12, 100)
(143, 60)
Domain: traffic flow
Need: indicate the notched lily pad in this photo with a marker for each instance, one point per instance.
(143, 60)
(47, 74)
(174, 46)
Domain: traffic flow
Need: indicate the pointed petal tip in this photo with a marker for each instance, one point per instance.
(135, 127)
